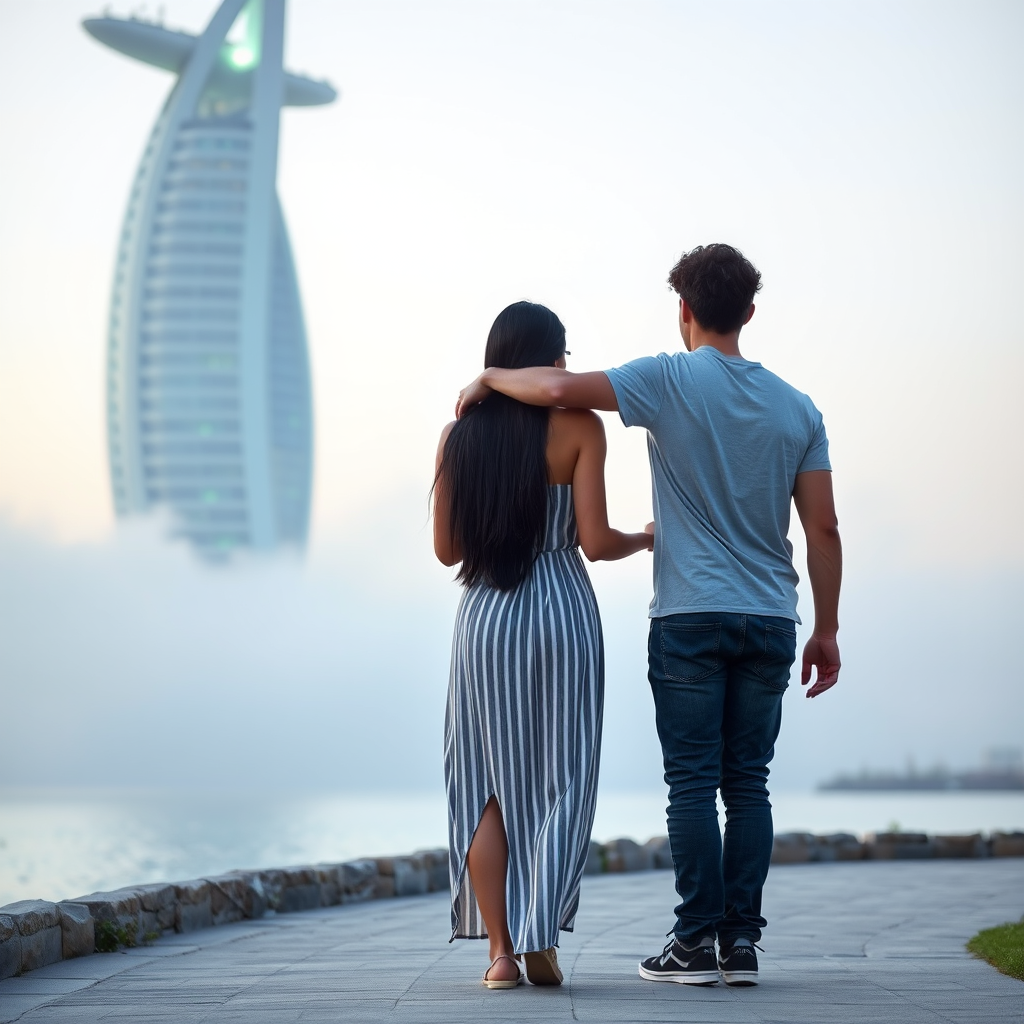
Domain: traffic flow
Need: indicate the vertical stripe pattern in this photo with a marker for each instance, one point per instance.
(525, 705)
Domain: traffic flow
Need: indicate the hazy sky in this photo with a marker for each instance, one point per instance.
(866, 156)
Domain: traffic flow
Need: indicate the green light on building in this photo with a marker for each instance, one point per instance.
(242, 57)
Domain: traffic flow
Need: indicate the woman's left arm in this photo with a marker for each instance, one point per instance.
(599, 541)
(444, 544)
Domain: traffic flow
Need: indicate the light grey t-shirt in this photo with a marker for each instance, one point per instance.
(726, 439)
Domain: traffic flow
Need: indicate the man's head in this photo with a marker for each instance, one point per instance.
(718, 284)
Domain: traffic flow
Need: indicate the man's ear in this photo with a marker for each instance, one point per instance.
(750, 313)
(686, 313)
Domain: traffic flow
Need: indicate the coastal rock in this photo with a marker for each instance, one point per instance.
(1007, 844)
(193, 907)
(409, 874)
(236, 896)
(272, 881)
(961, 846)
(77, 929)
(383, 887)
(31, 916)
(436, 863)
(661, 852)
(330, 884)
(899, 846)
(10, 947)
(158, 902)
(358, 880)
(626, 855)
(595, 861)
(38, 926)
(838, 846)
(794, 848)
(122, 907)
(300, 890)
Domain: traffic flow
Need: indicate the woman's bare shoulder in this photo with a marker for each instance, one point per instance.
(580, 422)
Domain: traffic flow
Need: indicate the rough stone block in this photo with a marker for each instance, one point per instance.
(794, 848)
(272, 881)
(330, 884)
(1007, 844)
(41, 948)
(595, 860)
(10, 947)
(358, 879)
(838, 846)
(10, 957)
(383, 887)
(961, 846)
(238, 893)
(37, 923)
(158, 902)
(121, 906)
(661, 852)
(899, 846)
(193, 907)
(436, 863)
(411, 876)
(300, 890)
(77, 929)
(31, 916)
(626, 855)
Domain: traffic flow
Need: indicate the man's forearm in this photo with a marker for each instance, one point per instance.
(825, 570)
(532, 385)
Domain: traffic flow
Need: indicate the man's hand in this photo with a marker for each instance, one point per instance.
(473, 395)
(822, 653)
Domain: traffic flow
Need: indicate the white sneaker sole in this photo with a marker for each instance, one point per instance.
(681, 978)
(739, 977)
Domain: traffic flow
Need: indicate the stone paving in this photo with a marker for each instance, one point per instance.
(859, 942)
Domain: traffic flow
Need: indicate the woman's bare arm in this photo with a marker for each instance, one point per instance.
(444, 547)
(599, 541)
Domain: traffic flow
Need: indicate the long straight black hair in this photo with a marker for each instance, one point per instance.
(494, 466)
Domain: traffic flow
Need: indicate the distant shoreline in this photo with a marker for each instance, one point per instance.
(939, 781)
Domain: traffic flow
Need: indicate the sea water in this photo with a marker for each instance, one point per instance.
(56, 844)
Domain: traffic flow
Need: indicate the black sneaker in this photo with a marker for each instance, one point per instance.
(738, 964)
(696, 966)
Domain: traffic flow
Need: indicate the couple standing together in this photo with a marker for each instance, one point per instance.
(519, 488)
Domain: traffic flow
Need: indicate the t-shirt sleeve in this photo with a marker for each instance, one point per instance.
(639, 389)
(816, 456)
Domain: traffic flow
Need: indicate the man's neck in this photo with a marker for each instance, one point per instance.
(727, 344)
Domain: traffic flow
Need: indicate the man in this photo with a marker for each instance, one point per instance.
(731, 445)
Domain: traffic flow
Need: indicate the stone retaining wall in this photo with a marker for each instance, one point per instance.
(34, 933)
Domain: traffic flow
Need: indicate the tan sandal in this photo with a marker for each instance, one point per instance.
(504, 982)
(542, 967)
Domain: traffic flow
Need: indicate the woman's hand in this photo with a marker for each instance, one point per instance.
(470, 396)
(649, 530)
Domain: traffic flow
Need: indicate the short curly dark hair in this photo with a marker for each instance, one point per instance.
(718, 283)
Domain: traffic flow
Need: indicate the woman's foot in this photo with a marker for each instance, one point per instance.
(542, 967)
(503, 973)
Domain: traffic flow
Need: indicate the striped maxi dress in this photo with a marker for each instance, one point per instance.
(525, 706)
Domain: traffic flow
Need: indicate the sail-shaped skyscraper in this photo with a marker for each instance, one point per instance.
(209, 408)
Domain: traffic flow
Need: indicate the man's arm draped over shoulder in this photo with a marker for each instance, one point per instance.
(542, 385)
(815, 505)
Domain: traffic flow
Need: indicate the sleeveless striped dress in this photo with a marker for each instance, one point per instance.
(525, 705)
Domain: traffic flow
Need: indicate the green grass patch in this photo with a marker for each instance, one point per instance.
(1002, 947)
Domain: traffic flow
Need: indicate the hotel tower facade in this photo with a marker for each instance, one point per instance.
(209, 409)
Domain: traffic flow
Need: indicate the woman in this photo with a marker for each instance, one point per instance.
(518, 487)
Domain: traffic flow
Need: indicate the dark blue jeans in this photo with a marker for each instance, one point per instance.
(718, 681)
